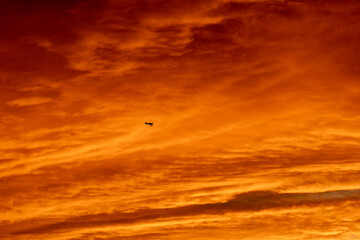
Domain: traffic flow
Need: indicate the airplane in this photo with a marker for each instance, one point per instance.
(149, 123)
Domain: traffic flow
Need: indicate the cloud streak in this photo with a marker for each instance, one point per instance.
(251, 201)
(21, 102)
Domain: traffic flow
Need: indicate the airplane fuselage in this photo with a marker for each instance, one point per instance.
(149, 123)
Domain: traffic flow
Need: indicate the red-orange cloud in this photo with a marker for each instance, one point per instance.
(255, 111)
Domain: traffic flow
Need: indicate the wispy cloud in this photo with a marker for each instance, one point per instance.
(251, 201)
(256, 114)
(21, 102)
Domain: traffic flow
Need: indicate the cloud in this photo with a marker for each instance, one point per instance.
(247, 96)
(251, 201)
(22, 102)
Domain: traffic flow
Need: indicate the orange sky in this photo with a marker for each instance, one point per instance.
(256, 105)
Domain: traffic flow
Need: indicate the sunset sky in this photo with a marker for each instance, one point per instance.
(256, 111)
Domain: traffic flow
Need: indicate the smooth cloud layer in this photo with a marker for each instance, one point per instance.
(256, 114)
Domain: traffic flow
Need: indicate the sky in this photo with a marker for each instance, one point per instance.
(256, 114)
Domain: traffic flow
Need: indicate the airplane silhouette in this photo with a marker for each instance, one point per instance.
(149, 123)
